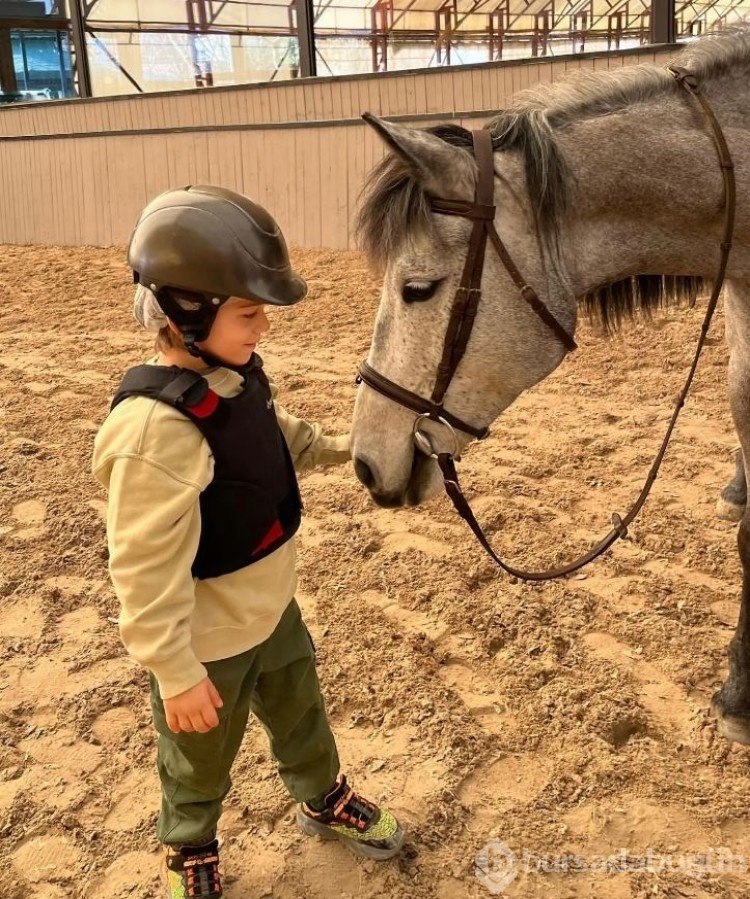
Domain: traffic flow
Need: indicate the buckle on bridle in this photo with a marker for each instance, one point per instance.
(422, 439)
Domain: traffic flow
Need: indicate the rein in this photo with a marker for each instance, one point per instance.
(466, 301)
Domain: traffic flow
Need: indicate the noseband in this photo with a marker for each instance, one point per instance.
(482, 213)
(466, 300)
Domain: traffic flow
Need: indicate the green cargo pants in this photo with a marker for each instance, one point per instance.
(278, 683)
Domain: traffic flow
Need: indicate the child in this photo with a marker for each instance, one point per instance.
(203, 507)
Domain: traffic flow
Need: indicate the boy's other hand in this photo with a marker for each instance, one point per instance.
(195, 709)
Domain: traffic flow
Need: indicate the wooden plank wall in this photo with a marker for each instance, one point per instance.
(79, 171)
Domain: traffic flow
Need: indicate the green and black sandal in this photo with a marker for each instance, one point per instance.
(192, 872)
(363, 827)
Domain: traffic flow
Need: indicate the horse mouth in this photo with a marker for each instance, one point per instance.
(416, 489)
(421, 470)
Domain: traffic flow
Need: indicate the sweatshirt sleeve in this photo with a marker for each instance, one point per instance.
(307, 443)
(153, 530)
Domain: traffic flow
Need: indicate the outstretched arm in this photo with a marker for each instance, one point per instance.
(307, 443)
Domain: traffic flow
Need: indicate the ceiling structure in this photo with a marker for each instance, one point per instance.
(141, 45)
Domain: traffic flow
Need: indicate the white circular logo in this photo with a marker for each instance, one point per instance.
(496, 866)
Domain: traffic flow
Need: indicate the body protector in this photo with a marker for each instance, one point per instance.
(252, 506)
(195, 247)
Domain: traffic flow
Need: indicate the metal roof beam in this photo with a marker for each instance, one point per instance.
(80, 55)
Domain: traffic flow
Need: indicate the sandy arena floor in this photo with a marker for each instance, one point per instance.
(570, 717)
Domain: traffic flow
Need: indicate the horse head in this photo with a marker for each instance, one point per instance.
(408, 230)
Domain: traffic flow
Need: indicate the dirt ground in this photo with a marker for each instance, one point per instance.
(564, 718)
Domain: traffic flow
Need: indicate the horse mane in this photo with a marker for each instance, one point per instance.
(395, 205)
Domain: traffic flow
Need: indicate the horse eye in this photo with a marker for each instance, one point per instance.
(419, 291)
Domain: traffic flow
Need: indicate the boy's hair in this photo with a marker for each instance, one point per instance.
(167, 339)
(187, 301)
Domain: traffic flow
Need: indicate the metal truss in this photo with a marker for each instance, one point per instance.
(539, 26)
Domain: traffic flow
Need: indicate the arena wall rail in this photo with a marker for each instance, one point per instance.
(77, 172)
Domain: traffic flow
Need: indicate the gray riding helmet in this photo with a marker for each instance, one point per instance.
(213, 241)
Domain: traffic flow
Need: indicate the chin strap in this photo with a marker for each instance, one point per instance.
(191, 337)
(196, 331)
(194, 317)
(214, 361)
(194, 321)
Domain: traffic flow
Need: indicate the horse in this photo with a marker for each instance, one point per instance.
(732, 501)
(607, 194)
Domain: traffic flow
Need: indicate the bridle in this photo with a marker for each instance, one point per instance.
(481, 212)
(466, 300)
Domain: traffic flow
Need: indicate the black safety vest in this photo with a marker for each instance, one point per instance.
(252, 506)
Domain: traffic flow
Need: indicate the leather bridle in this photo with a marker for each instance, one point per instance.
(466, 300)
(481, 212)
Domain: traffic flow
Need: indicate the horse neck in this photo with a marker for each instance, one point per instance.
(648, 196)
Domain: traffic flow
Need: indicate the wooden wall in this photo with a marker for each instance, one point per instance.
(79, 171)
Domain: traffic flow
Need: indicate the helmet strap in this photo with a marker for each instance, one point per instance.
(189, 339)
(194, 325)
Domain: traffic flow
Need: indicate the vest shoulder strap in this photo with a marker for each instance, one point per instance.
(181, 388)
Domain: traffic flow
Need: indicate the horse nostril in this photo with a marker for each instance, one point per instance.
(363, 473)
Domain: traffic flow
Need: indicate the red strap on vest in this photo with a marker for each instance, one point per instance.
(206, 406)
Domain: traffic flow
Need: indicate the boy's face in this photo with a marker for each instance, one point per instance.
(237, 328)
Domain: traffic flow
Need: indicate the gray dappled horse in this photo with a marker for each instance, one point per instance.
(606, 189)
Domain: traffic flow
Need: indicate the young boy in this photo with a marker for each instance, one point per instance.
(203, 507)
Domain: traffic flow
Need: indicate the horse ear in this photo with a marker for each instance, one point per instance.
(442, 169)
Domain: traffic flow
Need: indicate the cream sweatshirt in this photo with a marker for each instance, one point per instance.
(154, 463)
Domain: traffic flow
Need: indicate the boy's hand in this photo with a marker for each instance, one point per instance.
(195, 709)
